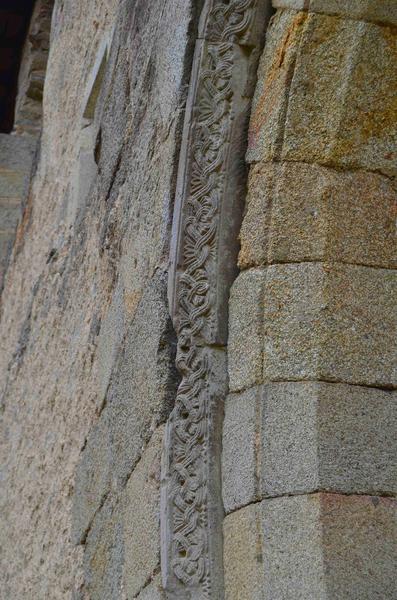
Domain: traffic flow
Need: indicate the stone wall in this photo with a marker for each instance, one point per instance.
(87, 360)
(16, 158)
(309, 478)
(87, 363)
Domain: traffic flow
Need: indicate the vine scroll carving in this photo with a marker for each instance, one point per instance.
(208, 209)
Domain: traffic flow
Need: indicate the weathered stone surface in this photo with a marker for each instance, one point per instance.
(332, 322)
(104, 554)
(141, 527)
(12, 183)
(327, 436)
(359, 536)
(6, 240)
(275, 71)
(292, 549)
(138, 399)
(243, 562)
(153, 591)
(245, 351)
(63, 277)
(289, 455)
(326, 546)
(299, 212)
(10, 212)
(144, 381)
(301, 437)
(92, 483)
(16, 153)
(111, 332)
(384, 11)
(334, 88)
(240, 448)
(122, 548)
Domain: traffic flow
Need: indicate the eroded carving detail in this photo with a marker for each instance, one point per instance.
(188, 553)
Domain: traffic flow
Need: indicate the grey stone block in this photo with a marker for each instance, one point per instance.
(109, 340)
(104, 554)
(10, 212)
(359, 545)
(12, 183)
(302, 437)
(328, 436)
(326, 546)
(245, 330)
(141, 518)
(140, 395)
(289, 462)
(330, 322)
(92, 481)
(240, 448)
(243, 562)
(153, 591)
(6, 240)
(16, 152)
(292, 549)
(144, 381)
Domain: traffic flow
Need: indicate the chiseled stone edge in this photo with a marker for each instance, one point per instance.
(207, 217)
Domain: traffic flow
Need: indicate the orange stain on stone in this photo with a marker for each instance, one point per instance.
(278, 67)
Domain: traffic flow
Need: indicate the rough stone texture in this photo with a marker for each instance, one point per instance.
(139, 397)
(318, 241)
(92, 484)
(153, 591)
(384, 11)
(63, 278)
(300, 437)
(244, 575)
(16, 157)
(328, 436)
(292, 549)
(326, 546)
(359, 546)
(275, 72)
(324, 321)
(104, 555)
(16, 153)
(245, 351)
(144, 383)
(299, 212)
(240, 448)
(329, 117)
(141, 499)
(320, 321)
(123, 543)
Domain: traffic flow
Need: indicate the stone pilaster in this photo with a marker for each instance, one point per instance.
(309, 449)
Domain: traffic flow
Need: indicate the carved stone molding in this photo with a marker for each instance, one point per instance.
(207, 217)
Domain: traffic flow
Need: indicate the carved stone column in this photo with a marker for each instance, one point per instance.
(209, 200)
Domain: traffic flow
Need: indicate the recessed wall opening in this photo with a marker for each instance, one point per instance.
(15, 16)
(25, 27)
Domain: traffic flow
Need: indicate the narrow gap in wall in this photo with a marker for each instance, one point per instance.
(24, 47)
